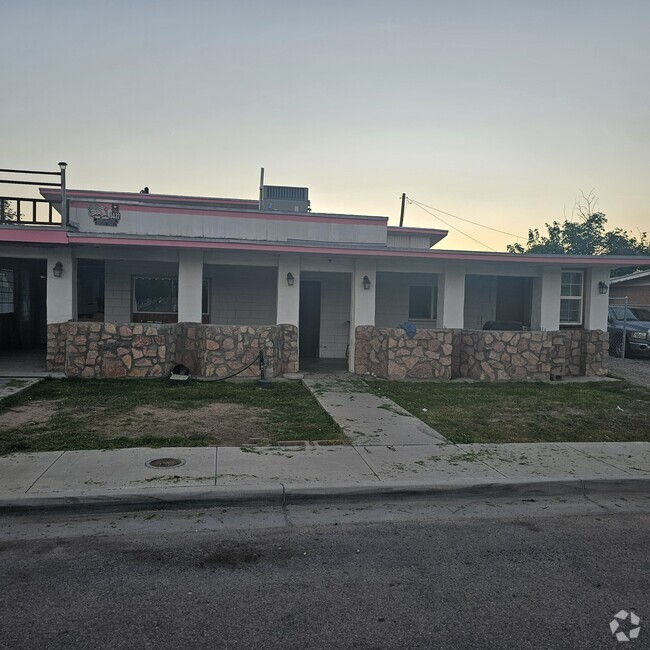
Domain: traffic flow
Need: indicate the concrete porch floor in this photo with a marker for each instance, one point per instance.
(23, 363)
(322, 366)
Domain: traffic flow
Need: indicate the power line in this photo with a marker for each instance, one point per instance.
(503, 232)
(452, 227)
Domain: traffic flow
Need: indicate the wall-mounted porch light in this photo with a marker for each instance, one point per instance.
(58, 270)
(366, 282)
(602, 287)
(290, 279)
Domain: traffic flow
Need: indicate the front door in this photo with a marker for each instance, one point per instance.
(309, 319)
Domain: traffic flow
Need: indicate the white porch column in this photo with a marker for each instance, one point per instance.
(61, 292)
(190, 285)
(451, 296)
(288, 301)
(545, 311)
(596, 303)
(362, 301)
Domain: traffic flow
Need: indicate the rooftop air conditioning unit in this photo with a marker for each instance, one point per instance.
(285, 199)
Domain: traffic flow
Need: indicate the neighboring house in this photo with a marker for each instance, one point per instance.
(130, 284)
(635, 286)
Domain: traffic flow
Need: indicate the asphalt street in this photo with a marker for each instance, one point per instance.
(543, 573)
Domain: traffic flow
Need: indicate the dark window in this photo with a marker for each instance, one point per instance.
(421, 303)
(160, 296)
(155, 295)
(7, 289)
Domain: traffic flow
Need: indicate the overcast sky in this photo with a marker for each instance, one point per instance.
(498, 112)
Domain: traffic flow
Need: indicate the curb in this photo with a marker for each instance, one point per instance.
(280, 495)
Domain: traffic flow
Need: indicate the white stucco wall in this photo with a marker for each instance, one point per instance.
(392, 300)
(451, 296)
(239, 295)
(362, 301)
(190, 285)
(118, 285)
(61, 292)
(288, 297)
(242, 295)
(596, 303)
(546, 299)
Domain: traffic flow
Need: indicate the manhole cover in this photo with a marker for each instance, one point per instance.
(165, 462)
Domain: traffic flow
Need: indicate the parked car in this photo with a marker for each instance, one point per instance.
(637, 330)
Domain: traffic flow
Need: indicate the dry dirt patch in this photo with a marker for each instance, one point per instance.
(218, 423)
(34, 413)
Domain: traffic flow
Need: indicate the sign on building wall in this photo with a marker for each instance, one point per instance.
(101, 216)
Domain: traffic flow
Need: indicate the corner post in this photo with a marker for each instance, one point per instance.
(451, 297)
(288, 297)
(61, 288)
(362, 300)
(190, 286)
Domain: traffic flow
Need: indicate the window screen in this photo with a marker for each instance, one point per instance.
(7, 289)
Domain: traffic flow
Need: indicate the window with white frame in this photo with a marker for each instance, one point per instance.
(7, 291)
(422, 303)
(159, 295)
(571, 295)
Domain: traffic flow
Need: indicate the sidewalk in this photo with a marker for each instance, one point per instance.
(391, 452)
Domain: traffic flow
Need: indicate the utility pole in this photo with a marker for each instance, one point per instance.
(401, 214)
(261, 204)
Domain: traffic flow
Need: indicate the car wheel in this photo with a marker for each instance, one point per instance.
(617, 350)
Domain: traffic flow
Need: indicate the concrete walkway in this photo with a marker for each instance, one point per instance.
(365, 418)
(10, 386)
(391, 452)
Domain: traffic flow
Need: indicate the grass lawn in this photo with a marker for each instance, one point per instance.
(110, 414)
(526, 412)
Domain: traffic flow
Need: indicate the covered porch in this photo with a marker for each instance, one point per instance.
(305, 308)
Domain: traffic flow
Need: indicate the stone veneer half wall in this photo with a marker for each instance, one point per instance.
(98, 350)
(482, 355)
(389, 353)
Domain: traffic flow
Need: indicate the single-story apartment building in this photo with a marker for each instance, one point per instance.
(120, 284)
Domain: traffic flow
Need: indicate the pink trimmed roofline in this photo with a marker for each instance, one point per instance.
(52, 235)
(147, 197)
(417, 231)
(565, 260)
(34, 235)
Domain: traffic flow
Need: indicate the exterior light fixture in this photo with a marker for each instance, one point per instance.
(290, 279)
(63, 165)
(366, 282)
(602, 287)
(58, 270)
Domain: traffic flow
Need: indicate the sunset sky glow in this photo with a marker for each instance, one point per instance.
(499, 112)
